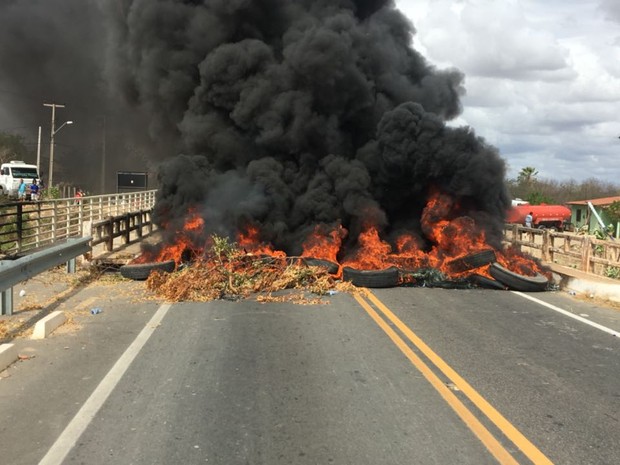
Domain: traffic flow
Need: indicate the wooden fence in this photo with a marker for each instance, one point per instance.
(582, 252)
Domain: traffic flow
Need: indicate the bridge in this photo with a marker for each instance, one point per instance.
(390, 376)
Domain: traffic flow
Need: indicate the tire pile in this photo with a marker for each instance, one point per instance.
(501, 278)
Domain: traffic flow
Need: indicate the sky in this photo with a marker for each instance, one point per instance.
(542, 78)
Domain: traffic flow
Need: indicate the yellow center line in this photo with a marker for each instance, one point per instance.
(489, 441)
(511, 432)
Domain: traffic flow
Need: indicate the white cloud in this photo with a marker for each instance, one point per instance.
(542, 78)
(611, 8)
(494, 41)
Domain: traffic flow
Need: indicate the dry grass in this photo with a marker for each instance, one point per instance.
(597, 301)
(244, 276)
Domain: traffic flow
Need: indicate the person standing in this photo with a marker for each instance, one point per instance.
(21, 190)
(78, 196)
(528, 219)
(34, 190)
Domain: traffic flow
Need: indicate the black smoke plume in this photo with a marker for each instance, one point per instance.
(293, 113)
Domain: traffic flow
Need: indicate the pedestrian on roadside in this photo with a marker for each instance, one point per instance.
(528, 219)
(21, 190)
(78, 196)
(34, 190)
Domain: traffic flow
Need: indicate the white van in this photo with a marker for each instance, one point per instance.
(12, 172)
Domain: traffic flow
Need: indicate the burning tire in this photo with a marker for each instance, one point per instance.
(472, 261)
(331, 267)
(371, 278)
(141, 271)
(518, 282)
(486, 283)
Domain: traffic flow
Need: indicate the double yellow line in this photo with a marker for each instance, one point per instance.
(365, 298)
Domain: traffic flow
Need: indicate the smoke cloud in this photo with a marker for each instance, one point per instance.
(292, 113)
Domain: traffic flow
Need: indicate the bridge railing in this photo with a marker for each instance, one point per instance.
(29, 225)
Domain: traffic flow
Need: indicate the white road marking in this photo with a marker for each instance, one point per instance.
(68, 438)
(569, 314)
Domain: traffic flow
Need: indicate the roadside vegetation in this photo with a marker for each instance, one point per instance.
(527, 186)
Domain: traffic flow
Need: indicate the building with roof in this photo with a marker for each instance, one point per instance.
(583, 215)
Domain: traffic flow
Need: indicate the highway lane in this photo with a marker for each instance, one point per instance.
(556, 379)
(243, 382)
(238, 383)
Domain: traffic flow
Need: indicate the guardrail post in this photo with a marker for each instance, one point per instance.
(71, 265)
(6, 302)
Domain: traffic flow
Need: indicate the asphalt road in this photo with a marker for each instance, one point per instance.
(403, 375)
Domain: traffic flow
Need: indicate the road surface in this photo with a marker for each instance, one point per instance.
(392, 376)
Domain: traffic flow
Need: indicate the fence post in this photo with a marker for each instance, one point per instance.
(140, 215)
(585, 254)
(545, 246)
(150, 220)
(515, 235)
(110, 231)
(127, 234)
(54, 215)
(19, 226)
(37, 238)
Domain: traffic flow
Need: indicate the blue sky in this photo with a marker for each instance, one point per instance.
(542, 78)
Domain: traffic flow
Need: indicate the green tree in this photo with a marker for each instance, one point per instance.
(613, 211)
(12, 147)
(527, 175)
(537, 198)
(561, 192)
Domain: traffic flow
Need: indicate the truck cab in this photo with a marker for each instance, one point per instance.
(12, 172)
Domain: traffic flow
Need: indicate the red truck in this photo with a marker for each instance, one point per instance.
(544, 216)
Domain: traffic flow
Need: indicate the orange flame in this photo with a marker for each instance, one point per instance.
(447, 236)
(250, 241)
(184, 242)
(372, 252)
(323, 243)
(512, 259)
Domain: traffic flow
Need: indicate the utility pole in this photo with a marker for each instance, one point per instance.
(103, 157)
(50, 175)
(39, 153)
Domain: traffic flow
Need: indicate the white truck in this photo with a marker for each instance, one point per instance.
(12, 172)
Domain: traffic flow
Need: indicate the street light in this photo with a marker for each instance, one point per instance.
(53, 133)
(62, 125)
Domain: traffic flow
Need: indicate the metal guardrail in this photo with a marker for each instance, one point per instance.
(30, 225)
(15, 271)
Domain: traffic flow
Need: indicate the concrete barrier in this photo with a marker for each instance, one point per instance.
(587, 283)
(47, 325)
(8, 354)
(595, 289)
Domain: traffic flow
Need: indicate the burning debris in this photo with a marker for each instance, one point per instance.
(307, 129)
(227, 272)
